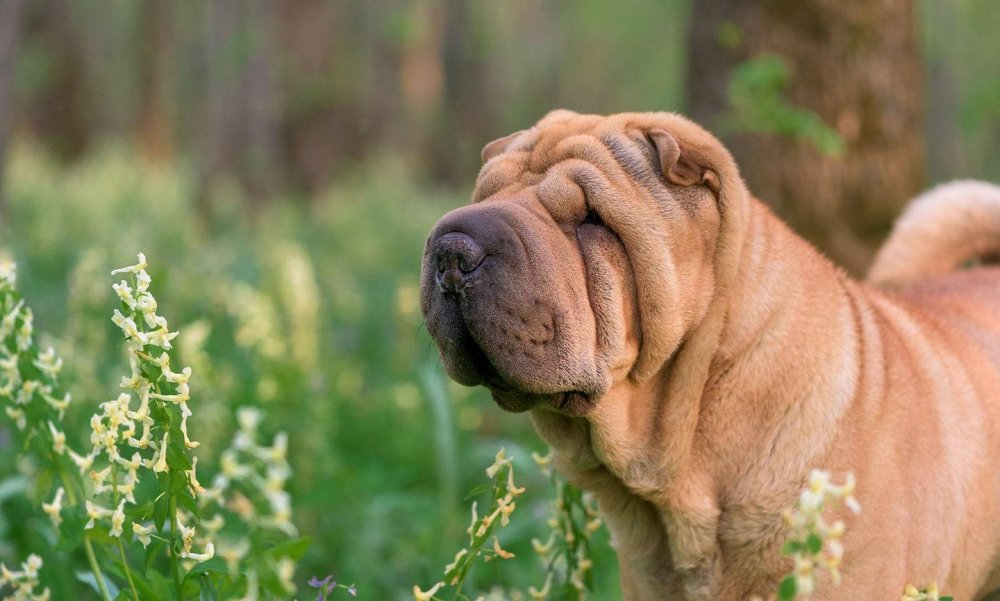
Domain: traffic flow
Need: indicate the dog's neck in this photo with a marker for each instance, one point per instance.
(768, 367)
(731, 400)
(729, 406)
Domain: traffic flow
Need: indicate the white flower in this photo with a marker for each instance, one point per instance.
(18, 416)
(160, 465)
(117, 520)
(7, 323)
(208, 554)
(99, 477)
(59, 405)
(285, 572)
(48, 362)
(124, 292)
(6, 576)
(54, 508)
(232, 554)
(279, 447)
(127, 325)
(95, 512)
(31, 566)
(196, 487)
(140, 266)
(143, 533)
(142, 281)
(23, 339)
(248, 418)
(84, 463)
(454, 564)
(500, 552)
(161, 337)
(501, 460)
(427, 595)
(58, 439)
(8, 272)
(214, 524)
(541, 595)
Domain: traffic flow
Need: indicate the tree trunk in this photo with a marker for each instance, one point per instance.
(155, 135)
(467, 114)
(856, 66)
(263, 112)
(57, 112)
(10, 26)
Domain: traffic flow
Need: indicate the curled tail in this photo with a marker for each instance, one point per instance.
(941, 230)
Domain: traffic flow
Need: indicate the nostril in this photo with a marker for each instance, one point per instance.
(456, 255)
(457, 251)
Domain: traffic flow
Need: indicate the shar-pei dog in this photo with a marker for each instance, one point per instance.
(689, 359)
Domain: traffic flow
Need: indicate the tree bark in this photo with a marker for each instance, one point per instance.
(466, 114)
(262, 161)
(154, 127)
(855, 65)
(10, 28)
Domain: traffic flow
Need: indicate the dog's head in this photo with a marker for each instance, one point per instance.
(591, 247)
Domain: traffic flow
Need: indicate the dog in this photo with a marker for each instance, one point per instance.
(689, 359)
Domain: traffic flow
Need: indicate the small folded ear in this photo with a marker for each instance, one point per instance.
(498, 146)
(678, 168)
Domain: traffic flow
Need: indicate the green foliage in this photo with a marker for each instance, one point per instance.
(350, 375)
(757, 103)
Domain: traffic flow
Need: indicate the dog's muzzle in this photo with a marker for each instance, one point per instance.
(456, 256)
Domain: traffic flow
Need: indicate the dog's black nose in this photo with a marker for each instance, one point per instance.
(456, 256)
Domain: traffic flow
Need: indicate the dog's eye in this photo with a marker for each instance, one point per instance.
(593, 218)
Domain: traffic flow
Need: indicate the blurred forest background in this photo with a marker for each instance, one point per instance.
(281, 162)
(287, 97)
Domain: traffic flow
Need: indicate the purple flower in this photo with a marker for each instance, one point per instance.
(324, 586)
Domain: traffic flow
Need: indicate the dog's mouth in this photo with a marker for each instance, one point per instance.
(571, 402)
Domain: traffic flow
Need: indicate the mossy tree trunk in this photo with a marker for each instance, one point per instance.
(856, 66)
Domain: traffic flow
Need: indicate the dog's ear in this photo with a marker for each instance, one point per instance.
(498, 146)
(678, 167)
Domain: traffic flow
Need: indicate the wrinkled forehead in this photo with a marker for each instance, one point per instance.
(590, 150)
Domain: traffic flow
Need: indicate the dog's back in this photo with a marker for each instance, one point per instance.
(922, 269)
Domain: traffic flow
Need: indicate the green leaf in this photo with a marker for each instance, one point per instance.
(160, 509)
(150, 371)
(814, 543)
(215, 566)
(787, 589)
(294, 548)
(207, 590)
(89, 579)
(176, 458)
(153, 550)
(71, 528)
(185, 500)
(478, 490)
(790, 547)
(158, 412)
(43, 486)
(99, 534)
(177, 481)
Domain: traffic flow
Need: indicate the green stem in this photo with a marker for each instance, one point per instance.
(98, 575)
(173, 551)
(89, 548)
(121, 547)
(128, 572)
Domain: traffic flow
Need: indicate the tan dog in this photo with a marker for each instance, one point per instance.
(689, 359)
